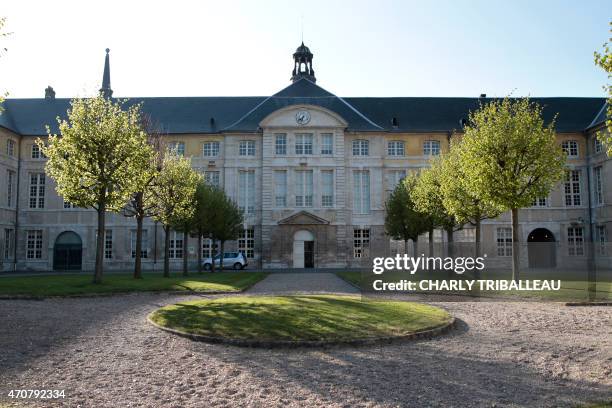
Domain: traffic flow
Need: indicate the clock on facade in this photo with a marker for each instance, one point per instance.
(302, 117)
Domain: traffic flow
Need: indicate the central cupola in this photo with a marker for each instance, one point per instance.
(302, 64)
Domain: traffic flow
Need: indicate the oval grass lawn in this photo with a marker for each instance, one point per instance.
(308, 318)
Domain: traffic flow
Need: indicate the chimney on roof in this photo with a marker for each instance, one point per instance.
(49, 93)
(483, 95)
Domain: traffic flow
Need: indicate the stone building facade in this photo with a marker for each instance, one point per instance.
(312, 172)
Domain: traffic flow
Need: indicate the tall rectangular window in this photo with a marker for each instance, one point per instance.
(601, 237)
(34, 244)
(144, 249)
(431, 148)
(10, 147)
(10, 187)
(598, 146)
(303, 188)
(395, 148)
(37, 190)
(280, 144)
(209, 248)
(108, 244)
(572, 188)
(361, 148)
(327, 188)
(9, 237)
(303, 143)
(176, 245)
(178, 147)
(395, 176)
(327, 143)
(598, 185)
(246, 191)
(575, 241)
(212, 178)
(361, 243)
(246, 243)
(280, 188)
(247, 148)
(361, 192)
(504, 242)
(210, 149)
(36, 153)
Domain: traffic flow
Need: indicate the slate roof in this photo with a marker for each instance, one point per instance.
(177, 115)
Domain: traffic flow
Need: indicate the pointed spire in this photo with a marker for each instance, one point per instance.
(106, 90)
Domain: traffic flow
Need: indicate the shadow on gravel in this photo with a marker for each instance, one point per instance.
(413, 374)
(30, 329)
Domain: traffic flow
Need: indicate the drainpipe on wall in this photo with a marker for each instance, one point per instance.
(155, 247)
(17, 196)
(591, 271)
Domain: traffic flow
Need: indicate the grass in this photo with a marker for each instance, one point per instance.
(572, 288)
(607, 404)
(81, 284)
(299, 318)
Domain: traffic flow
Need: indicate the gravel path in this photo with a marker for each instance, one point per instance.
(302, 283)
(104, 354)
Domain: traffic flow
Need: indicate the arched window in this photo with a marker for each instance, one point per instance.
(361, 148)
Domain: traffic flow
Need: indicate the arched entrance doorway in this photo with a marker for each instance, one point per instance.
(303, 249)
(541, 248)
(67, 251)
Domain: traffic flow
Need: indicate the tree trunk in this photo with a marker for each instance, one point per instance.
(415, 249)
(185, 254)
(451, 247)
(199, 252)
(450, 241)
(405, 246)
(100, 242)
(431, 241)
(221, 258)
(515, 244)
(137, 259)
(212, 255)
(477, 246)
(166, 251)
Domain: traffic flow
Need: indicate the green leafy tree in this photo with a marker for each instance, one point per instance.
(604, 60)
(510, 158)
(209, 202)
(458, 200)
(173, 194)
(428, 199)
(98, 159)
(402, 220)
(3, 34)
(228, 222)
(141, 204)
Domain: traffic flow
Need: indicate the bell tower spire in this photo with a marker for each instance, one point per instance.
(302, 64)
(106, 90)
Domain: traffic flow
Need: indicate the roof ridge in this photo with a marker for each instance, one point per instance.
(594, 122)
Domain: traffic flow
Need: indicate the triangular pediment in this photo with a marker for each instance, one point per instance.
(303, 218)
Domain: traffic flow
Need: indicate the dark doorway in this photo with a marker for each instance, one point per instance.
(542, 249)
(67, 252)
(308, 254)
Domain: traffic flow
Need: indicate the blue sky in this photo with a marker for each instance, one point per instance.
(361, 48)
